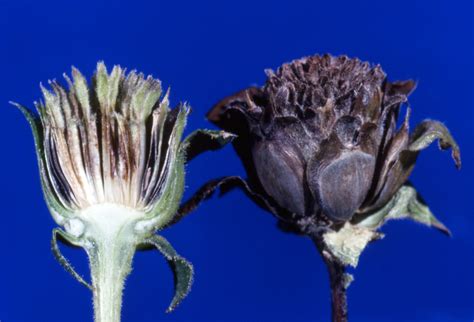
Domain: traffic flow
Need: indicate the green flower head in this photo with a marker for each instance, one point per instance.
(112, 163)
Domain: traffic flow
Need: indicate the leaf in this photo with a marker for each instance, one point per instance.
(204, 140)
(60, 257)
(427, 132)
(405, 204)
(348, 243)
(182, 269)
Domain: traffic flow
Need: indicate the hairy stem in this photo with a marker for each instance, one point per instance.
(337, 282)
(110, 264)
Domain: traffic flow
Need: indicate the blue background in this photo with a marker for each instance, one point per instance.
(246, 269)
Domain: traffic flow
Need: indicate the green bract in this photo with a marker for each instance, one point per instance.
(111, 161)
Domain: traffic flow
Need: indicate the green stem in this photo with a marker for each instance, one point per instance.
(110, 264)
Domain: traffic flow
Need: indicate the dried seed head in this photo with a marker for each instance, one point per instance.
(319, 139)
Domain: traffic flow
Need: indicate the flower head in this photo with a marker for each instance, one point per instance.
(112, 161)
(321, 146)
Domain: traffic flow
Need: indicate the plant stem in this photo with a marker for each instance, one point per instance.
(337, 282)
(110, 265)
(338, 291)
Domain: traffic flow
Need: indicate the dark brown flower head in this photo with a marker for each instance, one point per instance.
(320, 141)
